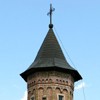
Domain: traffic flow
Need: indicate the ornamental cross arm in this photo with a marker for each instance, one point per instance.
(50, 13)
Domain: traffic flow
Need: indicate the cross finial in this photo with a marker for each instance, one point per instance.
(50, 13)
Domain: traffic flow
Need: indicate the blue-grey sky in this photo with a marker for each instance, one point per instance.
(23, 26)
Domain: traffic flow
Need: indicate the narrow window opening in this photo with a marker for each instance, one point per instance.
(61, 97)
(44, 98)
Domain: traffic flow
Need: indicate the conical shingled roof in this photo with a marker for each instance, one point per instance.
(50, 53)
(51, 57)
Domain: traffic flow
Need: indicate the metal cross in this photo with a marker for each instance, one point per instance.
(50, 13)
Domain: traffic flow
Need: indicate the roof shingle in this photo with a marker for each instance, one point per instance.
(50, 56)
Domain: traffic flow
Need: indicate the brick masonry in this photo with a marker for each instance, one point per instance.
(49, 85)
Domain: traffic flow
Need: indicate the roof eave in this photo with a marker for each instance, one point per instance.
(75, 74)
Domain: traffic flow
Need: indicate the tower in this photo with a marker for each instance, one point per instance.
(50, 77)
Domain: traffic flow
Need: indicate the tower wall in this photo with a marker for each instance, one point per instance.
(50, 86)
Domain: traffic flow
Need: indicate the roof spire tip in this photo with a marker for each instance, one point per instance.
(50, 13)
(50, 25)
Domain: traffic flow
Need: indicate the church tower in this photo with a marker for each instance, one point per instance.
(50, 77)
